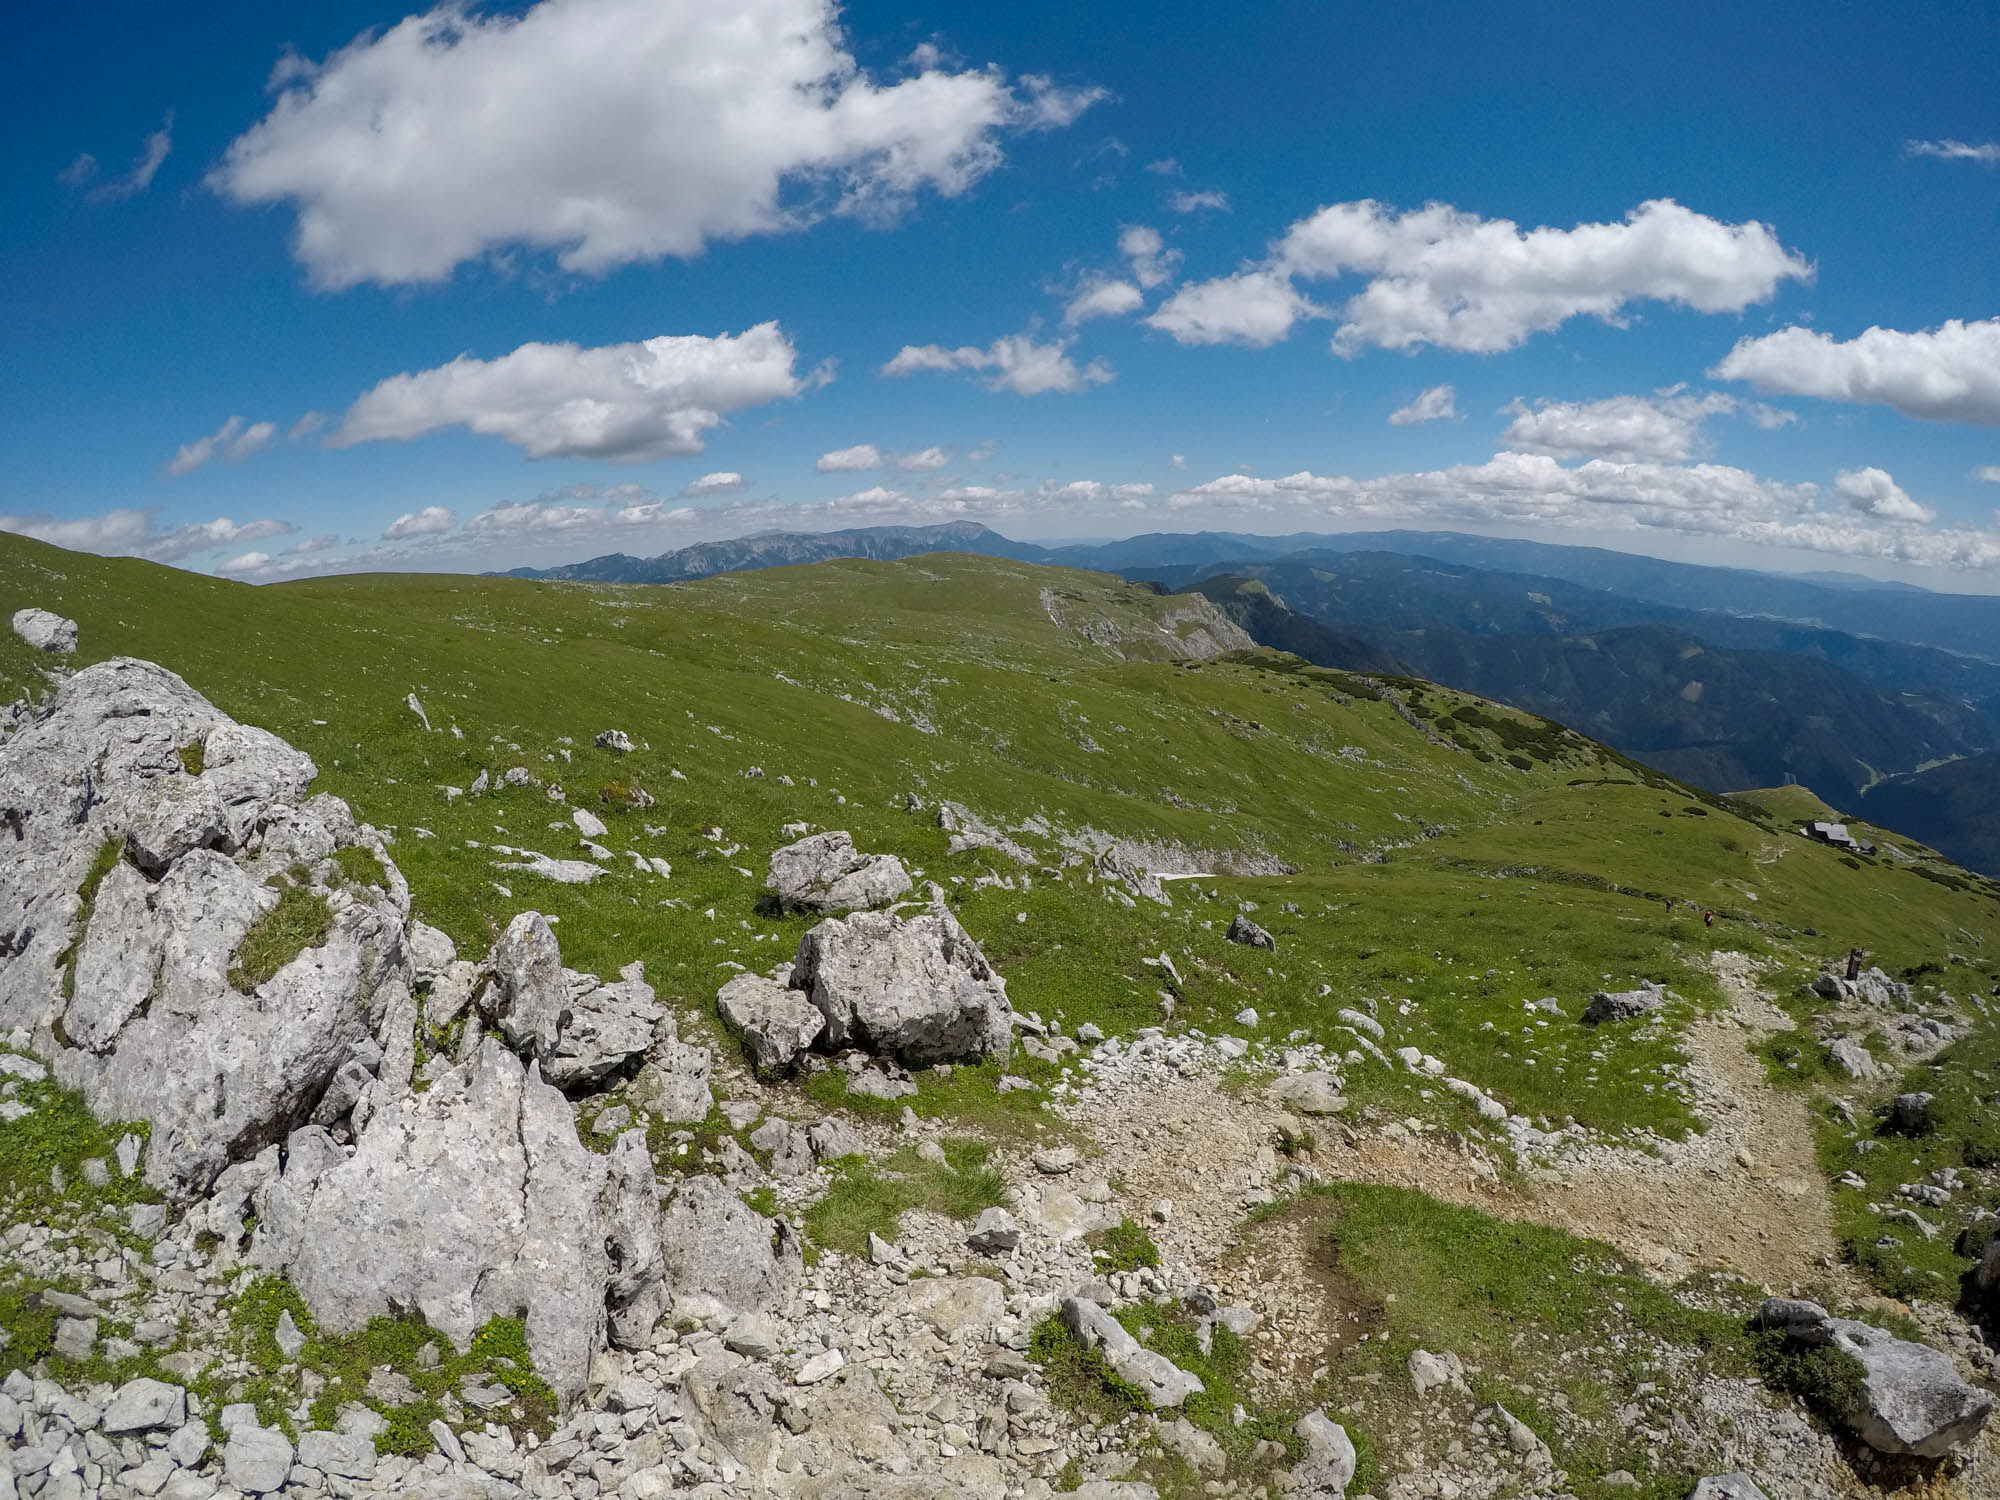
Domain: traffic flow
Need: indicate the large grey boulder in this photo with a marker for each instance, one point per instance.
(713, 1245)
(124, 985)
(529, 993)
(915, 988)
(1243, 930)
(824, 872)
(473, 1201)
(1911, 1401)
(1330, 1458)
(775, 1022)
(674, 1081)
(1871, 988)
(45, 631)
(1623, 1005)
(1164, 1383)
(603, 1027)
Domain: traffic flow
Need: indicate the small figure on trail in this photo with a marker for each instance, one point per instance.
(1708, 919)
(1854, 957)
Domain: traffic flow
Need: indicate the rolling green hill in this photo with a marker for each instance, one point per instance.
(1418, 854)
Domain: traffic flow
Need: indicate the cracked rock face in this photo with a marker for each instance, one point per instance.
(124, 986)
(914, 988)
(826, 873)
(470, 1202)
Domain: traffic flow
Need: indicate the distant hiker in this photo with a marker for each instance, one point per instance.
(1708, 919)
(1854, 957)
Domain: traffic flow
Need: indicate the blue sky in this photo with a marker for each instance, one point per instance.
(288, 290)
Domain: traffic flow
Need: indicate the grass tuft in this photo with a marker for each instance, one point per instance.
(301, 920)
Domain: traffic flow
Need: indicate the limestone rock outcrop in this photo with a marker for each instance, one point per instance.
(145, 834)
(473, 1201)
(1911, 1401)
(824, 872)
(914, 988)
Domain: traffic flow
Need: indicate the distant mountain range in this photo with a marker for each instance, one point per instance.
(1721, 676)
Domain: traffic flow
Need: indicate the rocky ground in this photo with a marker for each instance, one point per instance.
(396, 1220)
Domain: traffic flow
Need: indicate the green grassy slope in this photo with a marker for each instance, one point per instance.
(1452, 861)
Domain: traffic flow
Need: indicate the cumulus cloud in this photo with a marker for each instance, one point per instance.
(242, 566)
(608, 131)
(1166, 166)
(305, 427)
(624, 402)
(1103, 299)
(1986, 154)
(133, 533)
(325, 542)
(1212, 200)
(1872, 492)
(845, 460)
(1990, 473)
(1438, 404)
(138, 177)
(1255, 307)
(1152, 263)
(925, 461)
(1950, 373)
(1018, 363)
(1770, 418)
(1626, 429)
(1523, 489)
(1441, 277)
(724, 483)
(234, 440)
(432, 520)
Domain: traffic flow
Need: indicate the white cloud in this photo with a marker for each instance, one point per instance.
(1152, 263)
(1770, 418)
(1047, 105)
(306, 426)
(624, 402)
(845, 460)
(325, 542)
(1251, 307)
(609, 131)
(1018, 363)
(1166, 166)
(724, 483)
(1178, 461)
(1626, 429)
(1438, 404)
(986, 449)
(131, 533)
(1872, 492)
(138, 177)
(628, 508)
(233, 440)
(1987, 154)
(247, 563)
(1089, 492)
(1533, 490)
(1454, 280)
(1103, 299)
(1990, 473)
(1212, 200)
(1949, 374)
(927, 461)
(432, 520)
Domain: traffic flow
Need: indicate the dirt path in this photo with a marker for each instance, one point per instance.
(1698, 1207)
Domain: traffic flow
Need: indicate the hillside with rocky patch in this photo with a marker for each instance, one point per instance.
(951, 1028)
